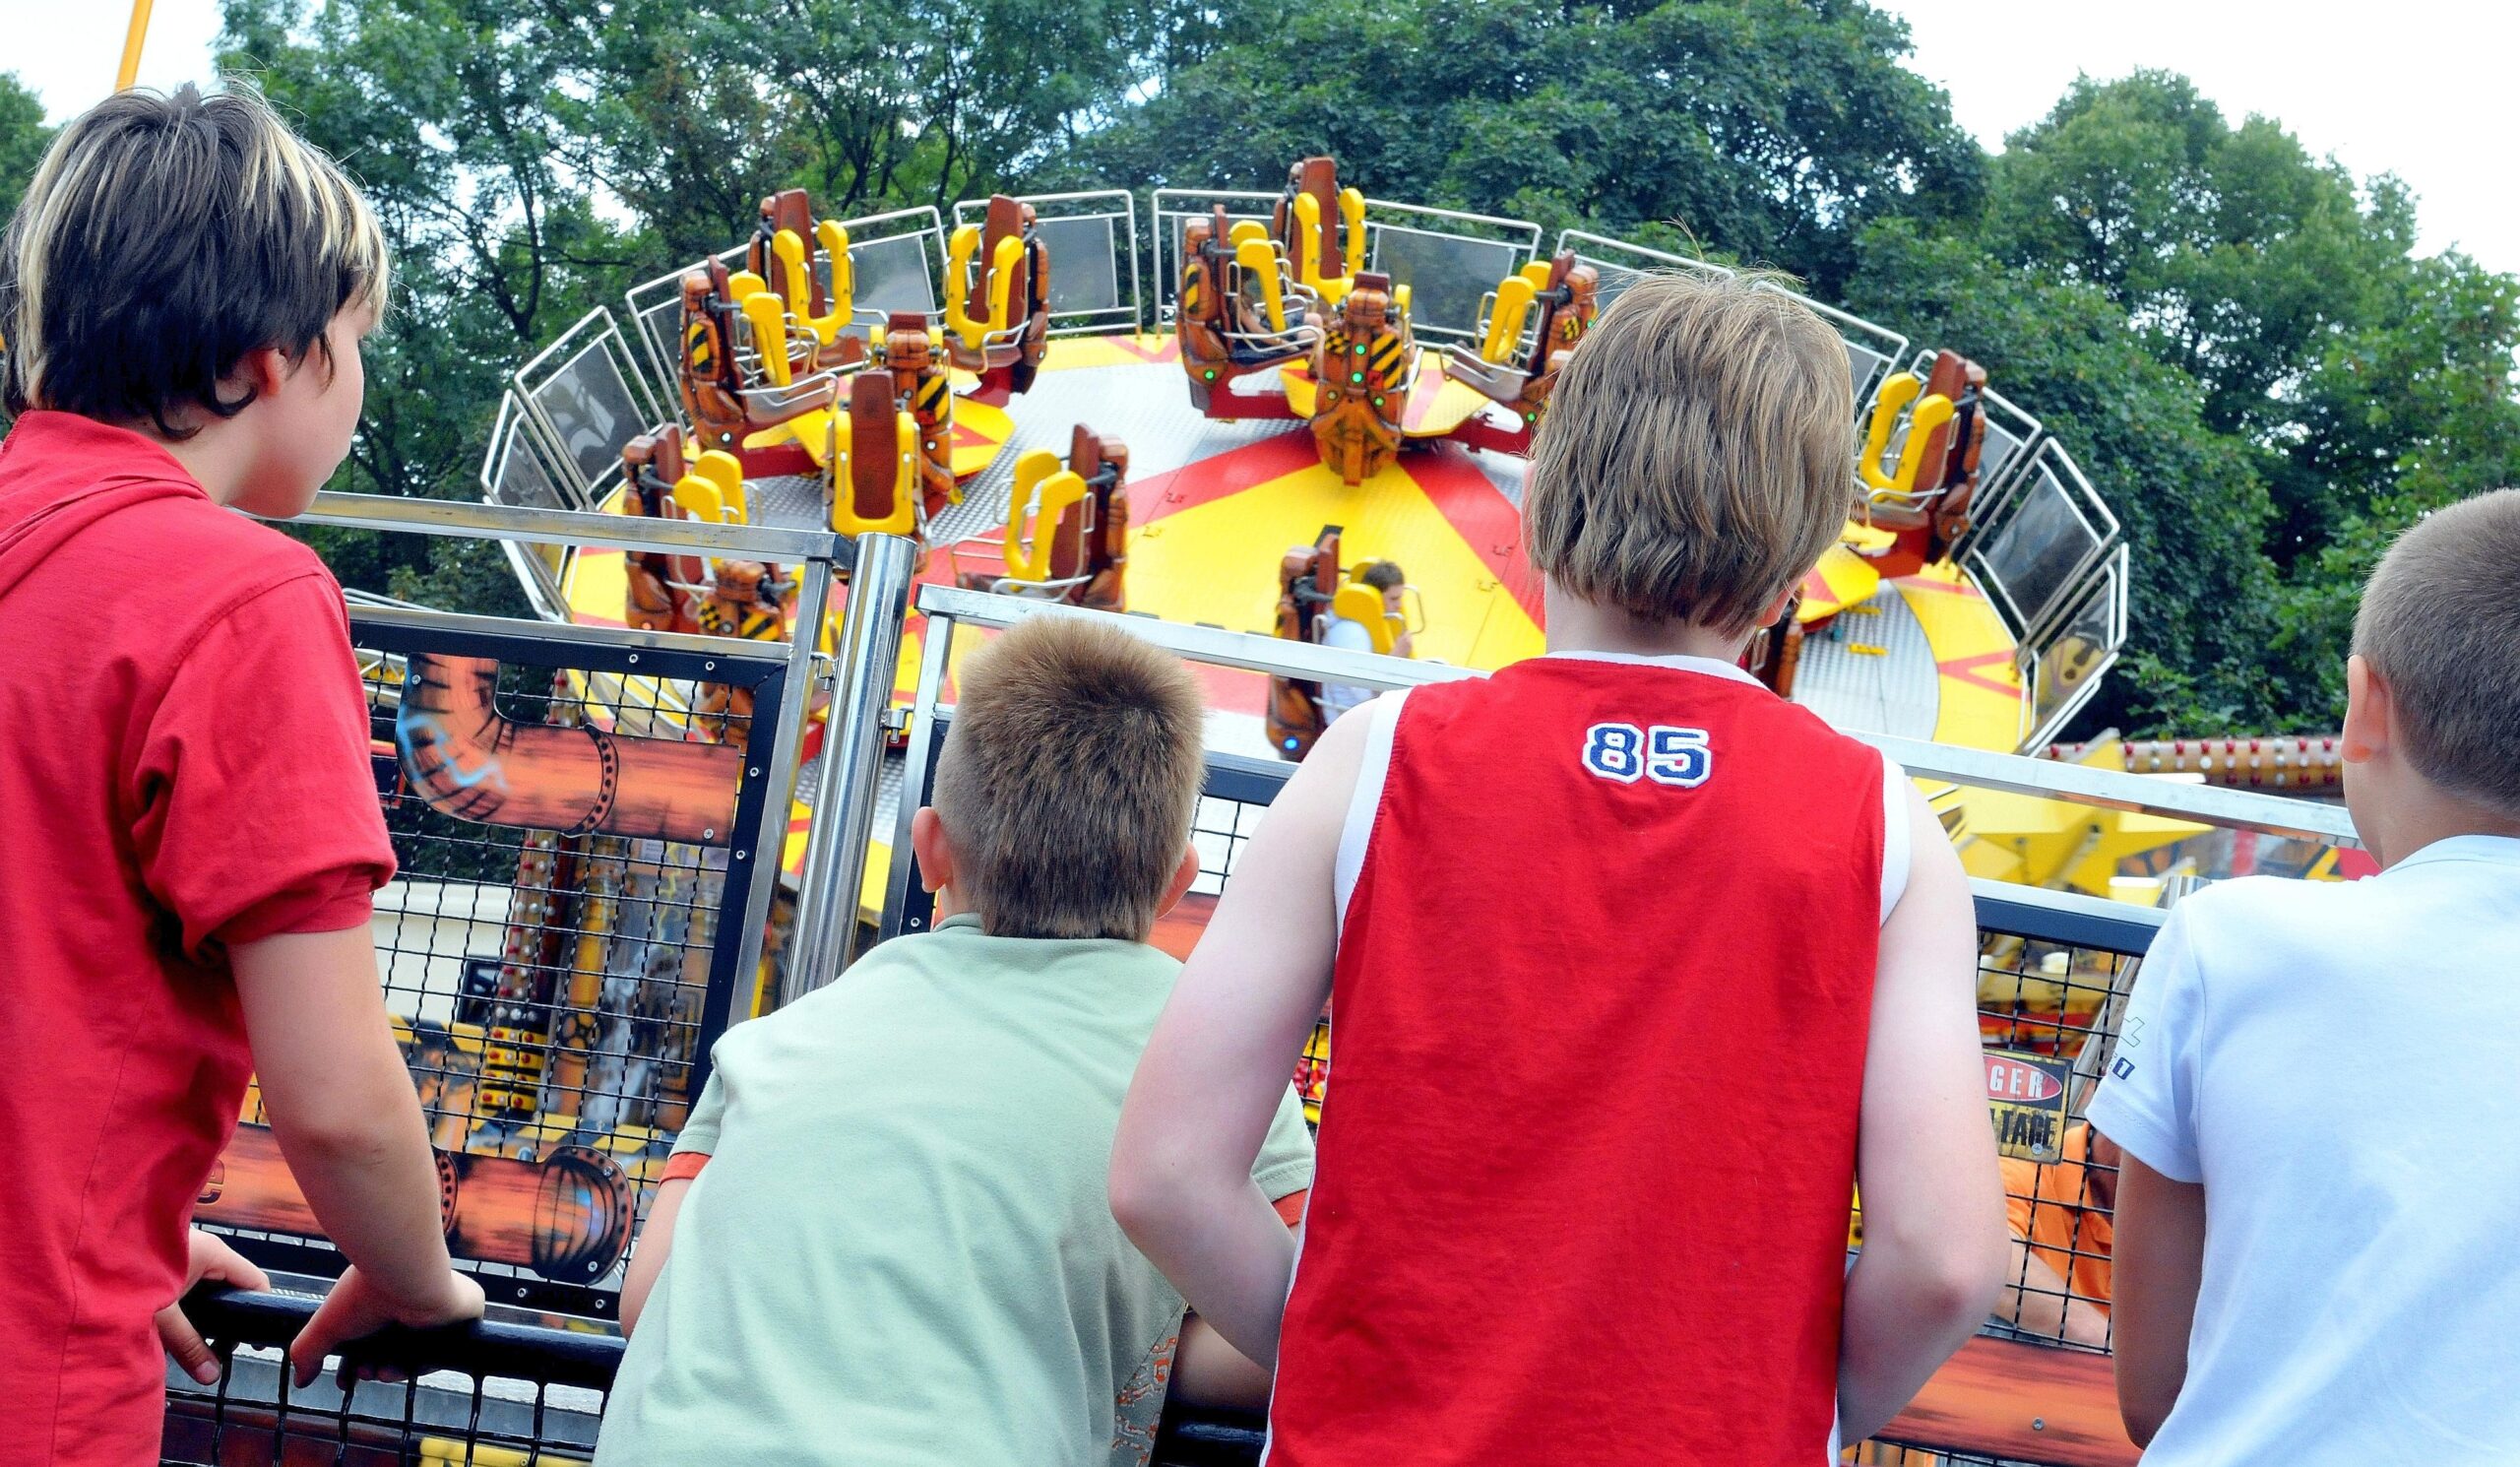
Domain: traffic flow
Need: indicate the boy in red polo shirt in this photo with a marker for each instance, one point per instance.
(189, 831)
(1638, 969)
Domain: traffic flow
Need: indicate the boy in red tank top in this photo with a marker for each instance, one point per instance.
(1638, 970)
(189, 831)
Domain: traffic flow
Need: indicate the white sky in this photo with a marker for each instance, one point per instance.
(2418, 88)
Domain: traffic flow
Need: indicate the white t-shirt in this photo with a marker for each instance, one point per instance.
(2339, 1065)
(1353, 636)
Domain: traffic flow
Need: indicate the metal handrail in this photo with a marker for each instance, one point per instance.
(2239, 809)
(486, 1347)
(835, 866)
(471, 519)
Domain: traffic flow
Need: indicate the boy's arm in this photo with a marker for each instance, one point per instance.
(1209, 1372)
(2149, 1105)
(647, 1258)
(1215, 1071)
(2156, 1269)
(342, 1105)
(1933, 1218)
(693, 1146)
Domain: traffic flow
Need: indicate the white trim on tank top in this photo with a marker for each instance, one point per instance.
(1358, 827)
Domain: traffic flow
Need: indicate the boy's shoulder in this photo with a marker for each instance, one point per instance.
(940, 967)
(178, 554)
(246, 554)
(89, 490)
(2283, 926)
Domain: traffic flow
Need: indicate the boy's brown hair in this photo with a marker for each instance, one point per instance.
(1697, 456)
(162, 239)
(1069, 778)
(2440, 624)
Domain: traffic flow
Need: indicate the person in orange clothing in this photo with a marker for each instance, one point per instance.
(2060, 1216)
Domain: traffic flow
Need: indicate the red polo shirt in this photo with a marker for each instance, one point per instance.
(183, 765)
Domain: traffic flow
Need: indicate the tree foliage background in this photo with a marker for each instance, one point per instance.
(2234, 340)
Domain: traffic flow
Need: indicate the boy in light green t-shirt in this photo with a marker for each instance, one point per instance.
(900, 1249)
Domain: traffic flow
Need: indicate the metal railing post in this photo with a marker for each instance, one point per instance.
(769, 843)
(870, 631)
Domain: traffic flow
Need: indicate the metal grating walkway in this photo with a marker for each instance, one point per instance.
(1872, 670)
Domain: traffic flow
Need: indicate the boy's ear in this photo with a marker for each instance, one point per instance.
(1182, 875)
(935, 854)
(2367, 713)
(264, 370)
(1776, 608)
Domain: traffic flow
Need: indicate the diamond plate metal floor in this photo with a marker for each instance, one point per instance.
(1146, 405)
(1872, 670)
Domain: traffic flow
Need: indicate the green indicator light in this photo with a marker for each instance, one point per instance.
(1356, 376)
(1377, 402)
(1361, 348)
(1209, 374)
(1531, 417)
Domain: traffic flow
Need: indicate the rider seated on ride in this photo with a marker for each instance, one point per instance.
(1383, 578)
(886, 1215)
(2325, 1072)
(1573, 915)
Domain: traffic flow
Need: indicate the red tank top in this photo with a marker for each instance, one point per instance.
(1603, 983)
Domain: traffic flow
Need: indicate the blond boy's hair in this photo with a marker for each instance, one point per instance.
(2440, 624)
(162, 239)
(1069, 778)
(1698, 453)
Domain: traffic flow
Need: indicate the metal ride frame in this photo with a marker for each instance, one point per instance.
(535, 1390)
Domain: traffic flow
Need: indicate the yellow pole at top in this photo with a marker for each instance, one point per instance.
(131, 41)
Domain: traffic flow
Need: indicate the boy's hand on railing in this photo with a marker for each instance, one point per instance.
(356, 1309)
(212, 1259)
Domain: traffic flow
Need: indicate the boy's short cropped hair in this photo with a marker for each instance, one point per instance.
(162, 239)
(1384, 575)
(2440, 624)
(1697, 456)
(1069, 778)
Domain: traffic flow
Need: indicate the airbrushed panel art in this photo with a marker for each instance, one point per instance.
(565, 836)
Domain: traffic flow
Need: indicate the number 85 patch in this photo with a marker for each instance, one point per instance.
(1625, 753)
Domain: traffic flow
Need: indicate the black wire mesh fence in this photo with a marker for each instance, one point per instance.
(554, 969)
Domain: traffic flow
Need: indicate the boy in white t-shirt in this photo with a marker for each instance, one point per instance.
(2314, 1085)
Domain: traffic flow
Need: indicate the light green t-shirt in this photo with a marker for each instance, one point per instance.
(900, 1251)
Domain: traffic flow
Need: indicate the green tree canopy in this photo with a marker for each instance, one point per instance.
(22, 140)
(1767, 130)
(2335, 384)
